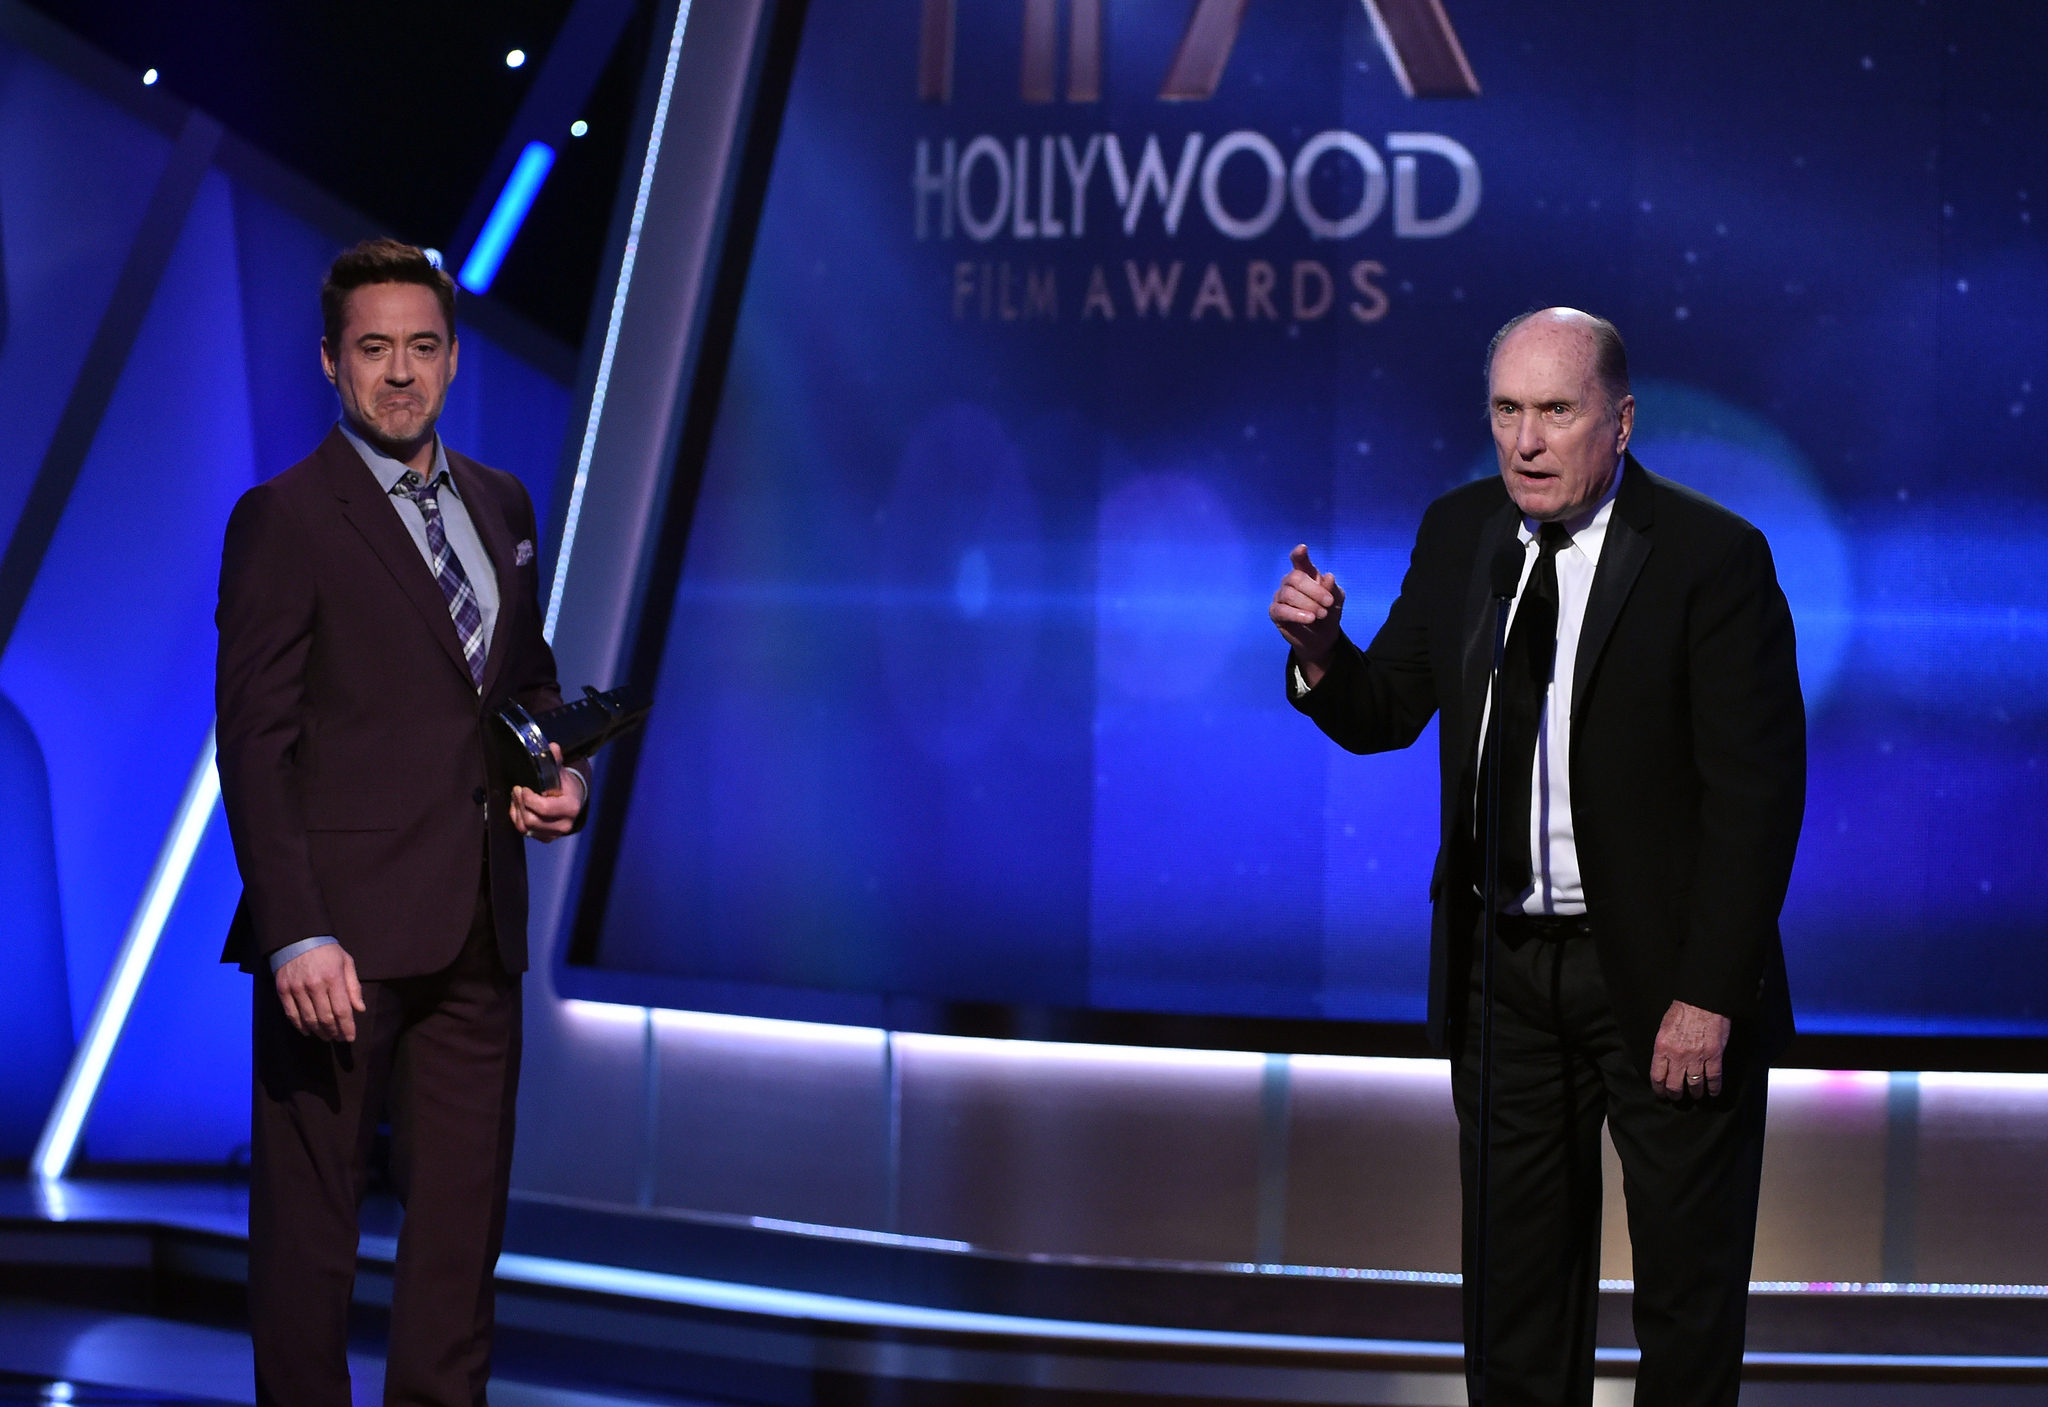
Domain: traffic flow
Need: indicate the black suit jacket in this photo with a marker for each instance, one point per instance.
(360, 788)
(1688, 749)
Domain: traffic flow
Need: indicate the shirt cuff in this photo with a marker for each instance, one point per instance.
(304, 945)
(1300, 682)
(582, 787)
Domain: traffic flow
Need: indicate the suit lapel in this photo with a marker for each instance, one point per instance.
(1622, 554)
(1498, 528)
(496, 537)
(365, 507)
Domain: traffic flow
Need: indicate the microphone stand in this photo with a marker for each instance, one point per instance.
(1489, 928)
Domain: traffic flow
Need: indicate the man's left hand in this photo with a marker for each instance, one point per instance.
(547, 816)
(1687, 1056)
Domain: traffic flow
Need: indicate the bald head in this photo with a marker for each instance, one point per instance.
(1608, 355)
(1560, 426)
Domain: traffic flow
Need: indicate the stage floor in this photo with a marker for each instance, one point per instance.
(120, 1289)
(60, 1354)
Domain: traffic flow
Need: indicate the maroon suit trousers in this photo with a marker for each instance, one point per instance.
(440, 1053)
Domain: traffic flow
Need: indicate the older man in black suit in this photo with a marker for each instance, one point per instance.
(1651, 786)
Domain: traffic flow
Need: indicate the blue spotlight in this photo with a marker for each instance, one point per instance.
(89, 1062)
(506, 216)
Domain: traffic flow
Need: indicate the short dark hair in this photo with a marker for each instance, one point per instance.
(380, 261)
(1610, 354)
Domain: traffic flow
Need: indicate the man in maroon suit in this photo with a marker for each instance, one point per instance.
(378, 604)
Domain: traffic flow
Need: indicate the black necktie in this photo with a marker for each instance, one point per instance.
(1524, 680)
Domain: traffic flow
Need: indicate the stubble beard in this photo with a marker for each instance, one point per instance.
(399, 430)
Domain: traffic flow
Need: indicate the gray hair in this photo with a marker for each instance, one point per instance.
(1610, 354)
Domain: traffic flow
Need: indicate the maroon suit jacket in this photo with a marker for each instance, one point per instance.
(360, 790)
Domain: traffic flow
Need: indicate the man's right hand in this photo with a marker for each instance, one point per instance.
(1308, 608)
(320, 993)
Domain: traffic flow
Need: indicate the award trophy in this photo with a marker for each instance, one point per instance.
(580, 728)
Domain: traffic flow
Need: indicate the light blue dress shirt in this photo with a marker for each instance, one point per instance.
(455, 522)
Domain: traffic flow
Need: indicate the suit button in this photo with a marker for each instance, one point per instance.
(479, 796)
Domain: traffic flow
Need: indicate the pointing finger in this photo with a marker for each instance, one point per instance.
(1299, 557)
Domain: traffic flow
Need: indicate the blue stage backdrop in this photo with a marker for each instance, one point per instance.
(106, 683)
(1064, 321)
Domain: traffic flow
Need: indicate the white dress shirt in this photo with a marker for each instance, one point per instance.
(1554, 884)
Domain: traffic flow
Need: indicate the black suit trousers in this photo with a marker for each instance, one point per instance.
(1690, 1173)
(440, 1053)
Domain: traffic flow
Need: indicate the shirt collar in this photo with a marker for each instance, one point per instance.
(388, 470)
(1588, 529)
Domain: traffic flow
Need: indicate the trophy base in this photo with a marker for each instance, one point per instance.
(523, 748)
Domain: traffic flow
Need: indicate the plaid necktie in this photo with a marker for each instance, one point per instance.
(448, 573)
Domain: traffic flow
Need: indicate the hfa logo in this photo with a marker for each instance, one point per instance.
(1416, 35)
(1300, 203)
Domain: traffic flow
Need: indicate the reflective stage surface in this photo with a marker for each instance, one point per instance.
(136, 1288)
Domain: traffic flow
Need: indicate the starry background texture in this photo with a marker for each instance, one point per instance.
(969, 691)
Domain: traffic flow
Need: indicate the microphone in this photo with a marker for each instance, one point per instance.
(1507, 570)
(1507, 575)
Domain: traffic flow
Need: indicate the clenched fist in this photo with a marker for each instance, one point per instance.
(1686, 1062)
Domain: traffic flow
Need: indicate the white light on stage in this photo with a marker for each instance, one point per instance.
(1077, 1053)
(149, 78)
(721, 1023)
(1800, 1078)
(611, 1013)
(841, 1309)
(618, 314)
(59, 1142)
(2036, 1084)
(1377, 1067)
(515, 59)
(579, 128)
(50, 1199)
(766, 1028)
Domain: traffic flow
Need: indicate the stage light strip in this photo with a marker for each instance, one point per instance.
(840, 1309)
(1432, 1068)
(502, 226)
(59, 1142)
(618, 316)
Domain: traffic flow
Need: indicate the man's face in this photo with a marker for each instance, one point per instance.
(1559, 439)
(394, 363)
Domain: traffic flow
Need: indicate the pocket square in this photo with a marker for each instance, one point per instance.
(523, 553)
